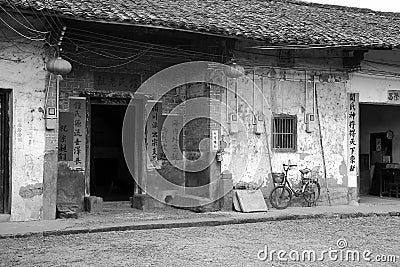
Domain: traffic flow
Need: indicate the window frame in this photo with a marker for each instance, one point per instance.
(294, 133)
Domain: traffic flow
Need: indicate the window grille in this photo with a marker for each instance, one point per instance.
(284, 133)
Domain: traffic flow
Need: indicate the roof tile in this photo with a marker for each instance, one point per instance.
(274, 21)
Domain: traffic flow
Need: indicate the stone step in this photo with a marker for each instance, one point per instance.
(191, 202)
(5, 217)
(116, 204)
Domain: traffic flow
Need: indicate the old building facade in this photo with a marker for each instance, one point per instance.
(150, 109)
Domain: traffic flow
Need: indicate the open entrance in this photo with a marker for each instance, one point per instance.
(4, 152)
(109, 177)
(379, 150)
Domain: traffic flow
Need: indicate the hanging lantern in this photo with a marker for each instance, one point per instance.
(58, 66)
(234, 70)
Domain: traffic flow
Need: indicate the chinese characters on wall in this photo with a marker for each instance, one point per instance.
(214, 140)
(153, 134)
(65, 136)
(352, 137)
(77, 107)
(171, 137)
(116, 81)
(394, 96)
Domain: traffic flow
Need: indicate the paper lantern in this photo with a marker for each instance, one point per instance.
(58, 66)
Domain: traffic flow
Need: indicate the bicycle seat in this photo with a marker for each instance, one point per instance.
(305, 171)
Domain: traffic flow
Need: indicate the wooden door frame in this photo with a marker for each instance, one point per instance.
(91, 97)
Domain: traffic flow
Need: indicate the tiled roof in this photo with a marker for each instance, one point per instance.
(277, 22)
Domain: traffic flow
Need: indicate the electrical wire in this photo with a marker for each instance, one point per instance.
(41, 18)
(13, 6)
(120, 40)
(11, 41)
(106, 47)
(276, 56)
(106, 53)
(53, 14)
(20, 34)
(20, 23)
(46, 23)
(107, 67)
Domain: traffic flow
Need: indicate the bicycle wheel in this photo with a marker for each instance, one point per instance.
(311, 192)
(280, 197)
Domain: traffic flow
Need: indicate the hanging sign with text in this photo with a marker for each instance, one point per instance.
(353, 117)
(214, 140)
(153, 135)
(65, 136)
(77, 106)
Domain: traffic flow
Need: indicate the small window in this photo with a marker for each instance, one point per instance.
(284, 133)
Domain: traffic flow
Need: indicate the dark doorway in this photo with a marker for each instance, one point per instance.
(379, 148)
(109, 177)
(4, 152)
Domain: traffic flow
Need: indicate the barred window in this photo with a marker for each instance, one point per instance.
(284, 133)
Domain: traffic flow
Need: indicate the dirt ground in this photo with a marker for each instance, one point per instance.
(230, 245)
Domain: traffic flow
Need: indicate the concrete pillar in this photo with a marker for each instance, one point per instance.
(226, 187)
(352, 196)
(50, 185)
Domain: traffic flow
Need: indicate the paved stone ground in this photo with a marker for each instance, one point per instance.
(122, 217)
(229, 245)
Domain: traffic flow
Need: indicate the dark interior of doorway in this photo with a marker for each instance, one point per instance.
(110, 177)
(377, 149)
(4, 152)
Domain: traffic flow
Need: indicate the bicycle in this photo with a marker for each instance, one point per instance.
(281, 195)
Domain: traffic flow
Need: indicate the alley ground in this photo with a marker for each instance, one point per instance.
(229, 245)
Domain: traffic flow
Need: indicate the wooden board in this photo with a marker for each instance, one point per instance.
(251, 201)
(236, 204)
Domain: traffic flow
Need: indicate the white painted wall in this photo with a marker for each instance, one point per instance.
(380, 72)
(22, 71)
(246, 155)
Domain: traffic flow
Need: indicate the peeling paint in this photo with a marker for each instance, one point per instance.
(246, 155)
(31, 190)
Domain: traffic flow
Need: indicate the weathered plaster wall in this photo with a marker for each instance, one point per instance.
(22, 71)
(277, 91)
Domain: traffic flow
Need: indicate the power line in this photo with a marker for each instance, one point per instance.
(106, 67)
(117, 49)
(47, 22)
(20, 34)
(20, 23)
(113, 48)
(21, 15)
(125, 41)
(11, 41)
